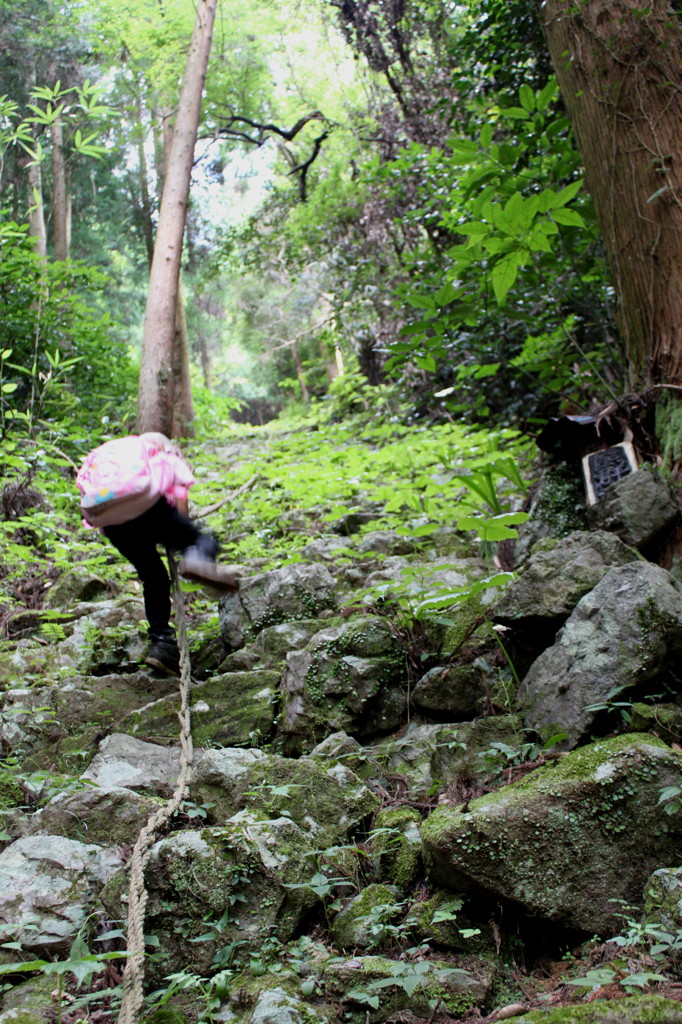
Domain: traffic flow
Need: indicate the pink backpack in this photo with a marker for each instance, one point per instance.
(119, 481)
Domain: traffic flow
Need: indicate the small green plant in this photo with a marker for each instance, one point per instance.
(622, 707)
(615, 973)
(671, 798)
(81, 965)
(209, 993)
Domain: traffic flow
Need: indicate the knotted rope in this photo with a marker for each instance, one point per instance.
(133, 975)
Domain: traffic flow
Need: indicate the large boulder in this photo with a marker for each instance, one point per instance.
(640, 508)
(71, 715)
(432, 757)
(231, 709)
(243, 881)
(326, 802)
(568, 839)
(414, 988)
(460, 691)
(283, 595)
(126, 761)
(76, 585)
(48, 886)
(111, 816)
(624, 633)
(350, 677)
(557, 575)
(271, 646)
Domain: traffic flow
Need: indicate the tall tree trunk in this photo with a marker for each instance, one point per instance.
(36, 216)
(145, 197)
(204, 358)
(61, 213)
(155, 395)
(619, 66)
(300, 373)
(183, 405)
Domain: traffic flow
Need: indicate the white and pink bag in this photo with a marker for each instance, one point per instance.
(120, 480)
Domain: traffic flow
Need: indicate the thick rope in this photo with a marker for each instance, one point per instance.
(133, 975)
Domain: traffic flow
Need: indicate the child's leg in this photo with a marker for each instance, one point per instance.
(137, 544)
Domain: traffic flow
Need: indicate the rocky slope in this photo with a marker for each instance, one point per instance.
(389, 819)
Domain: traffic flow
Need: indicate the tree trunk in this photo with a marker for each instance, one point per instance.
(619, 66)
(155, 396)
(145, 198)
(204, 358)
(183, 406)
(36, 216)
(300, 373)
(61, 213)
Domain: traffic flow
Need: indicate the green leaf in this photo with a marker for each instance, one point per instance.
(486, 136)
(641, 979)
(527, 98)
(547, 94)
(463, 151)
(504, 274)
(568, 193)
(515, 113)
(569, 217)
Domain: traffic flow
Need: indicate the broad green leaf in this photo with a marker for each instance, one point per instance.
(527, 98)
(568, 193)
(547, 94)
(569, 217)
(504, 274)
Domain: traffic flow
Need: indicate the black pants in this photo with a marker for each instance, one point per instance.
(137, 541)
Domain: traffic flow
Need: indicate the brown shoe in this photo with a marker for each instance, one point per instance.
(200, 569)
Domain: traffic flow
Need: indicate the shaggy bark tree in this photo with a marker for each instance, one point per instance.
(156, 397)
(619, 67)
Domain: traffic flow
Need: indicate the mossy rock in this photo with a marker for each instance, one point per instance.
(32, 997)
(67, 721)
(626, 632)
(640, 508)
(243, 881)
(569, 838)
(326, 802)
(108, 817)
(664, 720)
(282, 595)
(232, 709)
(349, 678)
(663, 899)
(23, 1017)
(460, 985)
(558, 574)
(444, 920)
(272, 645)
(365, 922)
(79, 585)
(629, 1010)
(433, 757)
(395, 844)
(166, 1015)
(557, 508)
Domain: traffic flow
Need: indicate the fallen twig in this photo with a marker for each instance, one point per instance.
(229, 497)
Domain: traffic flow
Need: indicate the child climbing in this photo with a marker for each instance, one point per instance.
(135, 490)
